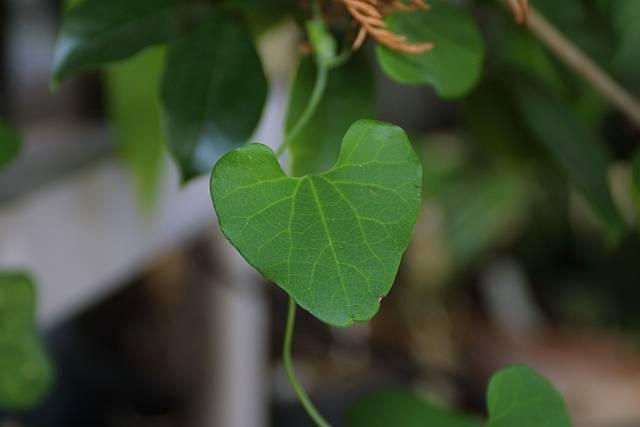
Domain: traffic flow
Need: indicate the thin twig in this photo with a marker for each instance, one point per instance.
(319, 89)
(570, 54)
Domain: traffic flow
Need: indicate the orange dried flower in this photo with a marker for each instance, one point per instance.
(370, 15)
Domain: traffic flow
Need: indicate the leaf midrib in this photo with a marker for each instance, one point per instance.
(329, 239)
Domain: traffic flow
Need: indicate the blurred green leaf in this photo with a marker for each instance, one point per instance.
(213, 93)
(404, 409)
(69, 4)
(636, 179)
(10, 144)
(583, 23)
(334, 240)
(481, 210)
(26, 372)
(577, 150)
(515, 50)
(627, 61)
(262, 14)
(349, 96)
(454, 65)
(498, 128)
(97, 32)
(323, 44)
(135, 112)
(518, 396)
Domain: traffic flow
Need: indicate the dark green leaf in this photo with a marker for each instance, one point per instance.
(627, 14)
(26, 373)
(9, 144)
(636, 179)
(96, 32)
(350, 96)
(135, 112)
(481, 210)
(333, 241)
(499, 128)
(69, 4)
(260, 6)
(403, 409)
(454, 65)
(213, 92)
(576, 150)
(518, 396)
(261, 14)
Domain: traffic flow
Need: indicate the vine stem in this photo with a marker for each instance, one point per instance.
(571, 55)
(288, 364)
(316, 96)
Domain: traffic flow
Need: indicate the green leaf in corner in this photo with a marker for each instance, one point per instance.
(213, 93)
(350, 96)
(10, 144)
(135, 112)
(333, 241)
(583, 157)
(454, 65)
(401, 408)
(26, 372)
(518, 396)
(97, 32)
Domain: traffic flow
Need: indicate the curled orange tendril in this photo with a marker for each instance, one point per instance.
(370, 15)
(520, 10)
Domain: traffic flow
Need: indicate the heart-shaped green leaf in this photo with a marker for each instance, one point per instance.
(96, 32)
(518, 396)
(454, 65)
(213, 92)
(402, 408)
(334, 240)
(26, 373)
(9, 144)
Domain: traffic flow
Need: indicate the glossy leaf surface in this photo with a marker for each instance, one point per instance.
(333, 241)
(213, 92)
(454, 65)
(97, 32)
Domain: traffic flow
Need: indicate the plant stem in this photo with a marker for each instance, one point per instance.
(316, 96)
(571, 55)
(288, 364)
